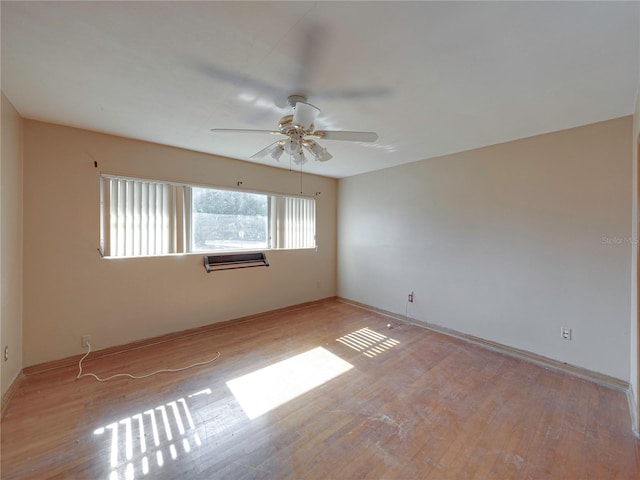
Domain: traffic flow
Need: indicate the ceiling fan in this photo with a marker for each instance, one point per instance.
(300, 134)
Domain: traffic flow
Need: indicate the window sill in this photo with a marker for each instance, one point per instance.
(212, 252)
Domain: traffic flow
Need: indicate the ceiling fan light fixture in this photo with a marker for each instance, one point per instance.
(304, 115)
(319, 153)
(325, 156)
(277, 151)
(289, 147)
(293, 146)
(298, 157)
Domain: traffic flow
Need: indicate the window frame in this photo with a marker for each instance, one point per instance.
(183, 226)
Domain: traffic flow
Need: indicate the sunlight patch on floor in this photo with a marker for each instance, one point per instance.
(146, 440)
(367, 341)
(265, 389)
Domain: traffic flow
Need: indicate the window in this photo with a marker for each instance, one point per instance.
(229, 220)
(148, 217)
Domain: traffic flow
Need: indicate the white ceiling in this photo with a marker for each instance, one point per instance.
(430, 77)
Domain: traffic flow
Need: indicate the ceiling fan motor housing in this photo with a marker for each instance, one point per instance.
(286, 125)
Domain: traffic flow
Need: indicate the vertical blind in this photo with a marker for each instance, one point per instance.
(146, 217)
(293, 222)
(299, 221)
(142, 217)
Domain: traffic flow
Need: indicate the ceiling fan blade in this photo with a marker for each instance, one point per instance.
(346, 135)
(239, 79)
(241, 130)
(312, 46)
(352, 93)
(305, 114)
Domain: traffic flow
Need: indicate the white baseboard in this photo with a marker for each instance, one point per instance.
(633, 411)
(8, 395)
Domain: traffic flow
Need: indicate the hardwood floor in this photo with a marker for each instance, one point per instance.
(401, 403)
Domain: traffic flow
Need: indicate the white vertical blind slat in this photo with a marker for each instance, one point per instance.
(168, 211)
(105, 216)
(144, 217)
(152, 219)
(122, 217)
(137, 214)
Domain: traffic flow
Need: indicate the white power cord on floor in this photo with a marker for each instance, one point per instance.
(136, 377)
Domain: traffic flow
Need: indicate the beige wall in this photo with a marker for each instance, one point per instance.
(70, 291)
(507, 243)
(10, 244)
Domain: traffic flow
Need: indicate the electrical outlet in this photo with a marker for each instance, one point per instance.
(565, 333)
(84, 340)
(6, 353)
(411, 297)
